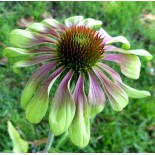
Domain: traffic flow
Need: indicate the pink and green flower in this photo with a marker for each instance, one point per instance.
(73, 55)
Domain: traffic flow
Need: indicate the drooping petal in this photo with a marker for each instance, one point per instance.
(134, 93)
(54, 23)
(115, 76)
(90, 22)
(140, 52)
(130, 64)
(121, 39)
(42, 28)
(117, 96)
(73, 21)
(34, 82)
(15, 52)
(19, 145)
(37, 107)
(96, 97)
(131, 92)
(103, 33)
(79, 131)
(62, 107)
(26, 39)
(18, 52)
(33, 61)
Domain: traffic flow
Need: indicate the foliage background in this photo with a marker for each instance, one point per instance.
(133, 129)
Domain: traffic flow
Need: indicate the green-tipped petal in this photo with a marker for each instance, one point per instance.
(90, 22)
(37, 27)
(123, 40)
(22, 38)
(79, 131)
(117, 96)
(129, 64)
(140, 52)
(15, 52)
(73, 21)
(134, 93)
(34, 82)
(62, 107)
(33, 61)
(26, 39)
(37, 107)
(42, 28)
(96, 97)
(19, 145)
(54, 23)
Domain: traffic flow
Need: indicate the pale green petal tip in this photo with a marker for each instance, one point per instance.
(126, 46)
(144, 93)
(37, 107)
(61, 115)
(149, 57)
(19, 145)
(95, 109)
(119, 108)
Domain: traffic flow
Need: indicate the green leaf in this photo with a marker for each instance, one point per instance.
(19, 145)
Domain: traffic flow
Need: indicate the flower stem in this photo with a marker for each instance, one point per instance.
(49, 142)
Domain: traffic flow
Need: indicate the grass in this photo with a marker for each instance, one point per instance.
(127, 131)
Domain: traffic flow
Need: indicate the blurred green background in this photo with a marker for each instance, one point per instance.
(133, 129)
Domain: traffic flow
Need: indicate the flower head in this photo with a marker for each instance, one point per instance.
(74, 54)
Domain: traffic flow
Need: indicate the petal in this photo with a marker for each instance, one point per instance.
(33, 61)
(79, 131)
(18, 52)
(15, 52)
(90, 22)
(117, 96)
(140, 52)
(34, 83)
(115, 76)
(54, 23)
(73, 21)
(103, 33)
(62, 107)
(42, 28)
(134, 93)
(110, 40)
(130, 64)
(19, 145)
(26, 39)
(131, 92)
(37, 107)
(96, 97)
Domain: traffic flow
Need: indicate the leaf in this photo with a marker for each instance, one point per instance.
(19, 145)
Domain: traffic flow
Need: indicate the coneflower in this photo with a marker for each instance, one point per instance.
(75, 54)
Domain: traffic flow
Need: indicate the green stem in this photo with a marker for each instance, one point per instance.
(49, 142)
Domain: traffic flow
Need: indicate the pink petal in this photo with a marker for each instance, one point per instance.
(62, 107)
(130, 64)
(96, 97)
(34, 82)
(38, 105)
(117, 96)
(80, 125)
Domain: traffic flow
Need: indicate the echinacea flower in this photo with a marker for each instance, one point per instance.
(73, 55)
